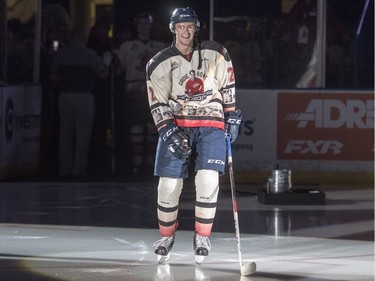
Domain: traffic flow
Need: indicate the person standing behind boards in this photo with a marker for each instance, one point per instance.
(134, 55)
(74, 71)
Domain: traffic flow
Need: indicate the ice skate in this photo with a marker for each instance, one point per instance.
(202, 247)
(163, 248)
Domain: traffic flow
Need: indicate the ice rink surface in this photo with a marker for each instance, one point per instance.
(106, 230)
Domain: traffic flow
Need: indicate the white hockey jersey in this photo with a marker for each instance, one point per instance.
(134, 55)
(191, 93)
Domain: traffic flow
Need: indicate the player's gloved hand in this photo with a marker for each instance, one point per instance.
(107, 58)
(232, 124)
(176, 140)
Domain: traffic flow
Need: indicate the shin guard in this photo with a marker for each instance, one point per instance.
(169, 191)
(207, 189)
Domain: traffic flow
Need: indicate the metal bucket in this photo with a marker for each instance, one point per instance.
(281, 181)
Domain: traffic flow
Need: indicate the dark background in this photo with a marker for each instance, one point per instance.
(347, 11)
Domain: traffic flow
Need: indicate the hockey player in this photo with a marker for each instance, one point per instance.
(190, 124)
(133, 56)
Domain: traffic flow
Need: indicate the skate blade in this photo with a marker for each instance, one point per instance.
(199, 259)
(163, 259)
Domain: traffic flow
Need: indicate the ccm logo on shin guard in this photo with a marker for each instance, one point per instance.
(215, 161)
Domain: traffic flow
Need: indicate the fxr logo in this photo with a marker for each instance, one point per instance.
(330, 113)
(314, 147)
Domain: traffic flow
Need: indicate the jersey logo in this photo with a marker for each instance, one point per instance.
(174, 65)
(194, 86)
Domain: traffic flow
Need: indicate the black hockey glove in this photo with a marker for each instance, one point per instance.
(232, 124)
(176, 140)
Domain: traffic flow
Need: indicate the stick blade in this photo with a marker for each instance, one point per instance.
(248, 269)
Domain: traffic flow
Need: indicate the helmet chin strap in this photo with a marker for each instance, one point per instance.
(198, 43)
(199, 56)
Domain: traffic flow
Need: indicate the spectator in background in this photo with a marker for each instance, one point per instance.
(246, 52)
(74, 70)
(54, 35)
(298, 54)
(100, 41)
(132, 106)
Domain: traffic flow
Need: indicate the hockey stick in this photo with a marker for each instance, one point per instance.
(112, 130)
(249, 268)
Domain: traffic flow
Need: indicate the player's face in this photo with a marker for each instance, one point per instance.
(185, 33)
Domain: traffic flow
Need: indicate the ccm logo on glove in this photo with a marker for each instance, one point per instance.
(232, 124)
(234, 121)
(167, 134)
(176, 140)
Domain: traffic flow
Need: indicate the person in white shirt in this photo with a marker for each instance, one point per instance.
(134, 114)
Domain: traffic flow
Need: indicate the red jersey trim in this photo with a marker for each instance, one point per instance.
(200, 123)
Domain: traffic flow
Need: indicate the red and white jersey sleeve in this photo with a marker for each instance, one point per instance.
(168, 78)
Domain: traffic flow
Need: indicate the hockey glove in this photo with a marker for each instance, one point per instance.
(232, 124)
(176, 140)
